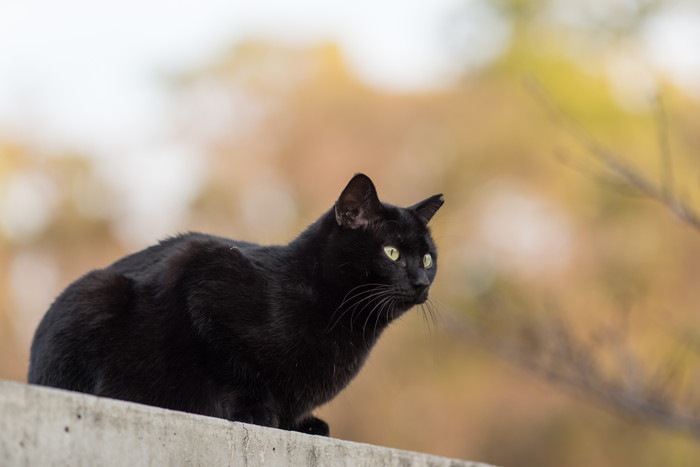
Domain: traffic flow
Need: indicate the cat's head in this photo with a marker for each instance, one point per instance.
(384, 250)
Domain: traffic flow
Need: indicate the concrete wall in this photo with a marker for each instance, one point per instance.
(45, 427)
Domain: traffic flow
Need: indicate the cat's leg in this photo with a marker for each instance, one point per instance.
(311, 425)
(79, 326)
(260, 409)
(258, 415)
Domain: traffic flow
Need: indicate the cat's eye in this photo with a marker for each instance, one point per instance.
(392, 252)
(427, 261)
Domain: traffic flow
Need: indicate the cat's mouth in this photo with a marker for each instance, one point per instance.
(421, 298)
(408, 300)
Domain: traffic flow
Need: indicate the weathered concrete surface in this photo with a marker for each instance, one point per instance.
(48, 427)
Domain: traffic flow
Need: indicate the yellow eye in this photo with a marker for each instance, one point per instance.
(427, 261)
(392, 252)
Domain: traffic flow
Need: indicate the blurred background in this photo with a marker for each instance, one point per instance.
(564, 134)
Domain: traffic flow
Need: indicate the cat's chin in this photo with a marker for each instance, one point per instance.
(420, 298)
(407, 303)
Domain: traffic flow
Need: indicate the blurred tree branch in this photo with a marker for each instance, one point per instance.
(663, 192)
(603, 365)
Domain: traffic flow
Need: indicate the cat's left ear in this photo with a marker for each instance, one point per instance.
(426, 209)
(358, 205)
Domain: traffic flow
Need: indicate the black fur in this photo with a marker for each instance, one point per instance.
(259, 334)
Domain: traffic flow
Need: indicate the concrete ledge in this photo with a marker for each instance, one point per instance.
(46, 427)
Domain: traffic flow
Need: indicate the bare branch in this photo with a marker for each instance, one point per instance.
(667, 181)
(617, 165)
(554, 353)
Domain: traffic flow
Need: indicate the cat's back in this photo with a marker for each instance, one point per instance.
(139, 282)
(146, 263)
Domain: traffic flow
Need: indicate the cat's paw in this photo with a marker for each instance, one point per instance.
(258, 415)
(313, 426)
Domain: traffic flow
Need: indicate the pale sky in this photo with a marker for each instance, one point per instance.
(88, 75)
(74, 71)
(77, 68)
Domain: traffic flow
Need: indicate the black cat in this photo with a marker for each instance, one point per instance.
(259, 334)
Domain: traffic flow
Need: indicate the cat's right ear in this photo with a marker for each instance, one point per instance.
(426, 209)
(358, 205)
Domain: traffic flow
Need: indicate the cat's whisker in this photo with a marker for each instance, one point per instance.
(378, 308)
(378, 297)
(394, 305)
(357, 292)
(430, 315)
(424, 316)
(353, 294)
(434, 312)
(430, 318)
(380, 304)
(360, 297)
(379, 314)
(390, 309)
(365, 302)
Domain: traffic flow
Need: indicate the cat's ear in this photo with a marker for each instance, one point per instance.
(426, 209)
(358, 205)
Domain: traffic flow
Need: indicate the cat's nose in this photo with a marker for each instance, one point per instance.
(420, 280)
(420, 284)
